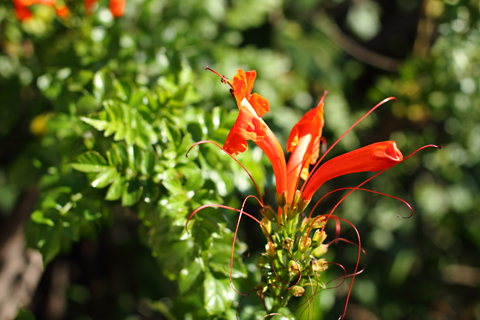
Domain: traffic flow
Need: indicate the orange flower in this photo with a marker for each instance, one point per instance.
(117, 7)
(88, 4)
(23, 13)
(372, 158)
(62, 11)
(250, 126)
(304, 144)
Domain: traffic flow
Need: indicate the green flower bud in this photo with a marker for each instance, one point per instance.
(318, 237)
(282, 199)
(304, 245)
(261, 288)
(296, 198)
(267, 227)
(298, 291)
(304, 223)
(291, 213)
(271, 252)
(268, 213)
(318, 265)
(319, 222)
(287, 244)
(294, 267)
(302, 204)
(320, 250)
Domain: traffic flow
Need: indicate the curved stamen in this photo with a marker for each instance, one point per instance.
(421, 148)
(233, 244)
(368, 190)
(356, 266)
(224, 79)
(230, 155)
(358, 272)
(343, 135)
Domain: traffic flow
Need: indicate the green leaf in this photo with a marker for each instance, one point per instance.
(218, 294)
(87, 104)
(103, 83)
(115, 191)
(38, 217)
(131, 193)
(49, 243)
(188, 276)
(90, 161)
(97, 120)
(220, 259)
(148, 162)
(173, 185)
(104, 178)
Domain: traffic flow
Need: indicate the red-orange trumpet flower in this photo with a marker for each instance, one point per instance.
(291, 254)
(303, 143)
(250, 126)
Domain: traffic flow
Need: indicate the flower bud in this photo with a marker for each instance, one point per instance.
(304, 223)
(268, 213)
(287, 244)
(318, 265)
(282, 199)
(318, 237)
(294, 267)
(291, 213)
(298, 291)
(320, 250)
(261, 288)
(302, 204)
(267, 227)
(271, 252)
(297, 197)
(319, 222)
(303, 244)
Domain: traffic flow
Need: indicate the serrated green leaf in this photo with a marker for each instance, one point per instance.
(220, 259)
(188, 276)
(217, 293)
(104, 178)
(115, 191)
(176, 204)
(90, 161)
(173, 185)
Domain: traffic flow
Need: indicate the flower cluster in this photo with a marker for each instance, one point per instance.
(23, 13)
(295, 244)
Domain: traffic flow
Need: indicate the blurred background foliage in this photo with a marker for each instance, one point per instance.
(98, 113)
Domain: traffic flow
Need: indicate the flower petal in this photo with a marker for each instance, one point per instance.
(375, 157)
(259, 104)
(304, 144)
